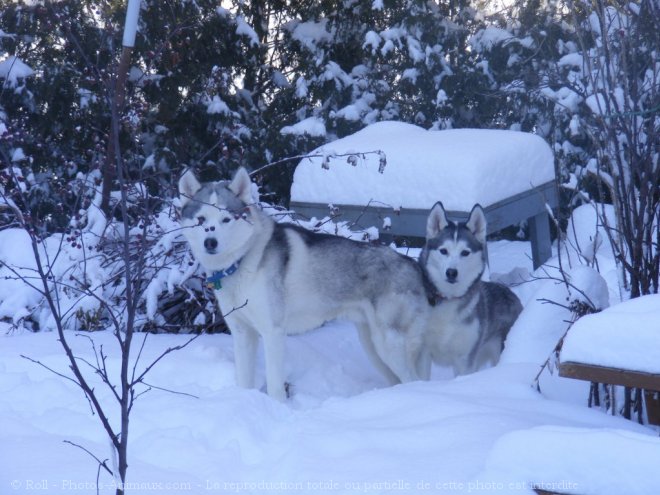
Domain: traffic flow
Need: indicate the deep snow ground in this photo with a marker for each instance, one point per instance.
(343, 431)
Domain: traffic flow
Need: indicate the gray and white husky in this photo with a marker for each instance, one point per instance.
(468, 326)
(273, 279)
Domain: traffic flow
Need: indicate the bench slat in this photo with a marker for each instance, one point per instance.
(612, 376)
(412, 221)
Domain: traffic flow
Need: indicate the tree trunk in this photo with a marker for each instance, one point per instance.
(117, 95)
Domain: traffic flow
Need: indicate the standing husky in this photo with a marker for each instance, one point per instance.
(272, 279)
(468, 327)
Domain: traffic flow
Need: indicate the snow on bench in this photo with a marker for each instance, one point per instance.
(618, 346)
(511, 174)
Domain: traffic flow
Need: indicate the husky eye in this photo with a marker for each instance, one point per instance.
(201, 220)
(444, 251)
(226, 220)
(465, 253)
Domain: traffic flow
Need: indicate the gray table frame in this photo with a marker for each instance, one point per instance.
(530, 205)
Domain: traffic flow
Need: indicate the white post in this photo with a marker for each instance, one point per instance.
(119, 90)
(130, 25)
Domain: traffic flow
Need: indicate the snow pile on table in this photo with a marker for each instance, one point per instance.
(625, 336)
(459, 167)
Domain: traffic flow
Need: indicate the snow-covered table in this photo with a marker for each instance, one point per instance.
(618, 346)
(511, 174)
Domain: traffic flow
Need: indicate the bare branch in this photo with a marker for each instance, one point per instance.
(167, 351)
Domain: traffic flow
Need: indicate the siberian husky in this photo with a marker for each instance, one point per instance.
(468, 326)
(274, 279)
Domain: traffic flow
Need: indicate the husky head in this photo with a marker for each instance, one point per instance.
(217, 218)
(454, 256)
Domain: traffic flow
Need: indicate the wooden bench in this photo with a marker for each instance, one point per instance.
(390, 174)
(649, 382)
(618, 346)
(530, 205)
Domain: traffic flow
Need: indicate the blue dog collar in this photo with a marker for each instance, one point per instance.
(214, 281)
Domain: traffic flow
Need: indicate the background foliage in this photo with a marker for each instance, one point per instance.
(213, 84)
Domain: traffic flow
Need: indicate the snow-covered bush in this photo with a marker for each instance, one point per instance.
(86, 276)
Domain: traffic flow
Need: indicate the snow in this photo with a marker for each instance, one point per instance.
(244, 29)
(566, 98)
(415, 50)
(410, 74)
(17, 299)
(600, 104)
(613, 21)
(626, 335)
(372, 39)
(280, 80)
(216, 105)
(311, 34)
(349, 112)
(549, 321)
(486, 38)
(586, 233)
(301, 87)
(343, 431)
(12, 69)
(571, 60)
(426, 166)
(312, 126)
(552, 458)
(18, 155)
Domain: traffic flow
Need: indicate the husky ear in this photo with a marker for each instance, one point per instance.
(188, 186)
(437, 221)
(241, 186)
(476, 223)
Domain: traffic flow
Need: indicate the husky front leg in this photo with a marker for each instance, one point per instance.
(245, 354)
(424, 362)
(274, 346)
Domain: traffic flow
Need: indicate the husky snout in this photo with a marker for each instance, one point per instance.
(452, 275)
(211, 244)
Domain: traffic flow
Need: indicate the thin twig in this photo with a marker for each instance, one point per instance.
(175, 392)
(102, 464)
(313, 155)
(61, 375)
